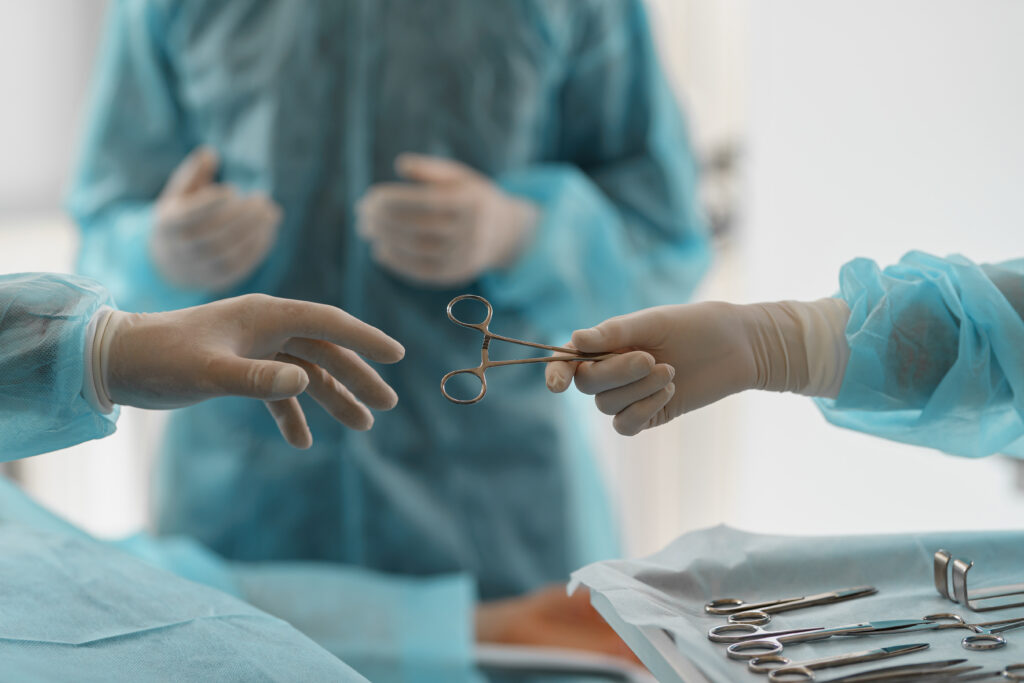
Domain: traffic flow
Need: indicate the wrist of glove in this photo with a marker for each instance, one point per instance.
(675, 359)
(798, 347)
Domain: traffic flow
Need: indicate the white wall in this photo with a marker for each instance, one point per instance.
(876, 127)
(45, 59)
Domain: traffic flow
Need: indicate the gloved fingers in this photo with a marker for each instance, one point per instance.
(191, 217)
(422, 168)
(638, 416)
(558, 374)
(290, 318)
(235, 224)
(427, 237)
(197, 170)
(438, 260)
(614, 401)
(291, 421)
(402, 202)
(333, 396)
(267, 379)
(348, 368)
(445, 272)
(618, 371)
(643, 329)
(249, 250)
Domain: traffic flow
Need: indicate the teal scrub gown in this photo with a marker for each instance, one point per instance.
(561, 102)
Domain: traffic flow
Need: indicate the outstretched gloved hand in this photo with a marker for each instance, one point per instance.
(207, 236)
(679, 358)
(448, 226)
(254, 345)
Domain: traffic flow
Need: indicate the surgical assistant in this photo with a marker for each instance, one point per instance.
(554, 111)
(75, 607)
(926, 352)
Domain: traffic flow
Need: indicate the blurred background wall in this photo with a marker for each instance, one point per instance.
(860, 128)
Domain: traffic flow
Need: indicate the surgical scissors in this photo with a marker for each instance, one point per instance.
(908, 672)
(486, 363)
(1013, 672)
(985, 635)
(759, 613)
(747, 641)
(785, 670)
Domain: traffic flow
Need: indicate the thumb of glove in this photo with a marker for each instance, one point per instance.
(197, 171)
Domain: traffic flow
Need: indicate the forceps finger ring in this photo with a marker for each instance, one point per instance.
(483, 327)
(983, 641)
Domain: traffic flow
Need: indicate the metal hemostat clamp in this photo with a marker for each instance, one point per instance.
(978, 600)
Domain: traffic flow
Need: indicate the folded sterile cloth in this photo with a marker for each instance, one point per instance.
(657, 603)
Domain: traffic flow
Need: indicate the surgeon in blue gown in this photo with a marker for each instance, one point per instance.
(261, 146)
(926, 351)
(77, 609)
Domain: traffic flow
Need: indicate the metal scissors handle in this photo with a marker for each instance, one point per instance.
(773, 644)
(781, 669)
(985, 635)
(486, 363)
(742, 612)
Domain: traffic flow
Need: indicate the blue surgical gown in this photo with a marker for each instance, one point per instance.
(936, 354)
(43, 321)
(77, 609)
(562, 102)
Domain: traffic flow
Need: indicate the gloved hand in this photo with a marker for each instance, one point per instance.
(549, 618)
(254, 345)
(448, 229)
(206, 236)
(680, 358)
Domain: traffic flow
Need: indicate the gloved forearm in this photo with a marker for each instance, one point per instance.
(44, 321)
(675, 359)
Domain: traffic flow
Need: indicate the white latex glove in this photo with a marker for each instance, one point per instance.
(680, 358)
(207, 236)
(447, 229)
(254, 345)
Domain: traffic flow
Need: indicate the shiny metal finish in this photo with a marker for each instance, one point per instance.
(984, 636)
(759, 643)
(486, 363)
(780, 668)
(759, 613)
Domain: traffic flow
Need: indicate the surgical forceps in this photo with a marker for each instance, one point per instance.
(781, 669)
(985, 635)
(486, 363)
(759, 613)
(747, 641)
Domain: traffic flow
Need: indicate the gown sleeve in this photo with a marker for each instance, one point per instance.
(134, 137)
(43, 323)
(935, 354)
(621, 226)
